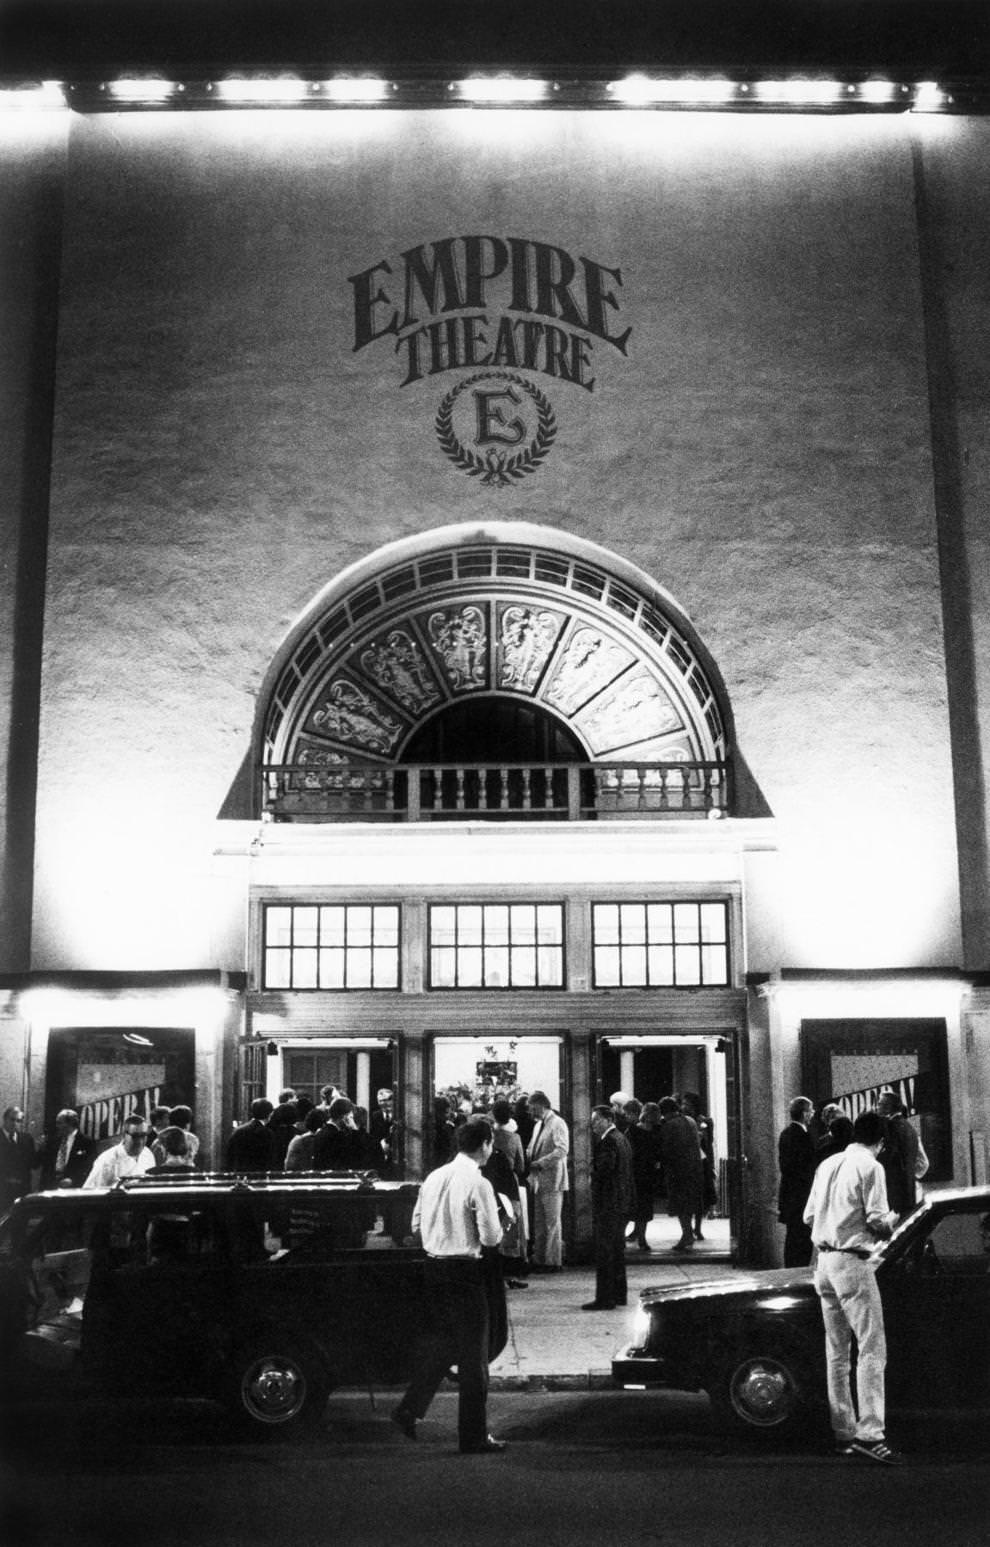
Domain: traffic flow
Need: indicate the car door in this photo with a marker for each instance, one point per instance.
(936, 1298)
(159, 1286)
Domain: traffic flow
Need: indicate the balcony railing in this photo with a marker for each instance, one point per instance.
(436, 792)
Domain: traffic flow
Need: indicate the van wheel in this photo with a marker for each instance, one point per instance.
(761, 1393)
(275, 1386)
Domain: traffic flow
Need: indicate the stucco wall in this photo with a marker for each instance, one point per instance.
(221, 451)
(31, 160)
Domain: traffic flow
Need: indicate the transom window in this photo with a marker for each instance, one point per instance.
(497, 945)
(660, 944)
(333, 946)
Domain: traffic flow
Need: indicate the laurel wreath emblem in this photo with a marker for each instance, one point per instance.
(497, 469)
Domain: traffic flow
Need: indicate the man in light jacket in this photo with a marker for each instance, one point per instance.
(546, 1173)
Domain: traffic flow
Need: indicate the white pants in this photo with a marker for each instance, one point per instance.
(548, 1239)
(851, 1307)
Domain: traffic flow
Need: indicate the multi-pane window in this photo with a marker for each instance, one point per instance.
(660, 944)
(497, 945)
(331, 946)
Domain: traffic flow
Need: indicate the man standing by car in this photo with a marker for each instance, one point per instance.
(131, 1157)
(457, 1215)
(903, 1158)
(796, 1158)
(847, 1214)
(611, 1203)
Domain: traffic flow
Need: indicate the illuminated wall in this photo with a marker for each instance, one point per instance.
(760, 445)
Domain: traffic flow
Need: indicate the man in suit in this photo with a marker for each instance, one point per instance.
(796, 1157)
(546, 1172)
(17, 1158)
(611, 1203)
(337, 1144)
(382, 1131)
(66, 1158)
(253, 1146)
(902, 1156)
(683, 1169)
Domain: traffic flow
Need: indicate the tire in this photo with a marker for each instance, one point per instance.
(274, 1386)
(762, 1393)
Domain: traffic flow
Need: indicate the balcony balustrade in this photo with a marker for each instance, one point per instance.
(436, 792)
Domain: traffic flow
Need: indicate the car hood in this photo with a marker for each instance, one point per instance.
(741, 1285)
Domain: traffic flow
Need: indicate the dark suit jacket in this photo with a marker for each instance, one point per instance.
(337, 1149)
(80, 1162)
(17, 1161)
(796, 1156)
(611, 1178)
(252, 1147)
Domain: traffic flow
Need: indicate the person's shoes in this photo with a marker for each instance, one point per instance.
(682, 1246)
(598, 1305)
(698, 1236)
(516, 1283)
(644, 1246)
(876, 1450)
(404, 1420)
(489, 1446)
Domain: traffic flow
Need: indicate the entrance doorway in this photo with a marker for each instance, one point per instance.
(472, 1072)
(651, 1067)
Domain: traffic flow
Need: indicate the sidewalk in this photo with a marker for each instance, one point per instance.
(553, 1345)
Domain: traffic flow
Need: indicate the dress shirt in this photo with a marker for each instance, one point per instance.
(847, 1206)
(456, 1210)
(116, 1163)
(64, 1151)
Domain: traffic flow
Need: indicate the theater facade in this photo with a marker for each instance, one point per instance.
(497, 598)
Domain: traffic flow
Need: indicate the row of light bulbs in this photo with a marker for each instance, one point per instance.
(637, 90)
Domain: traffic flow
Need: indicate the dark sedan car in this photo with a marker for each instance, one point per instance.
(757, 1346)
(264, 1293)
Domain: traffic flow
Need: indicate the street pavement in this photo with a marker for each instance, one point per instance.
(555, 1346)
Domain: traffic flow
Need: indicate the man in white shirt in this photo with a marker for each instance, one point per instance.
(131, 1157)
(457, 1214)
(848, 1215)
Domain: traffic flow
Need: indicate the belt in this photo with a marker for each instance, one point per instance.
(850, 1251)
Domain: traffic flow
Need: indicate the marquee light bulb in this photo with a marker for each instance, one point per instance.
(356, 88)
(141, 89)
(501, 88)
(928, 97)
(46, 97)
(643, 90)
(800, 92)
(262, 89)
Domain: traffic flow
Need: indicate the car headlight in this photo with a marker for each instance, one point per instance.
(642, 1324)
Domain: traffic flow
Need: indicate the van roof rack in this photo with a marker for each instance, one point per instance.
(262, 1181)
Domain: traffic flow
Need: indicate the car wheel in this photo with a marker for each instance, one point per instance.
(761, 1392)
(275, 1386)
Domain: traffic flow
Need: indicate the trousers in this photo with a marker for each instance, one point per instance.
(610, 1258)
(457, 1335)
(851, 1307)
(548, 1238)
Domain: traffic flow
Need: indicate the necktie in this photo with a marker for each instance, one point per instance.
(61, 1159)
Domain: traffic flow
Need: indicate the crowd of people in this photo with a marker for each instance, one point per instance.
(69, 1158)
(808, 1139)
(332, 1134)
